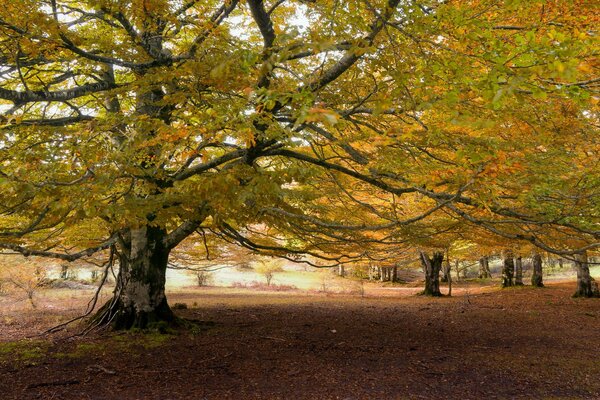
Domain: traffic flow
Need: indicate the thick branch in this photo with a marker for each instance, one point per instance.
(27, 252)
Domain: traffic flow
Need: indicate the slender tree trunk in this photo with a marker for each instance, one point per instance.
(519, 271)
(586, 285)
(341, 271)
(447, 272)
(395, 273)
(536, 276)
(457, 269)
(432, 268)
(560, 263)
(508, 269)
(139, 298)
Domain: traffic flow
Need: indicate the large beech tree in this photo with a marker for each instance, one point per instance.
(327, 128)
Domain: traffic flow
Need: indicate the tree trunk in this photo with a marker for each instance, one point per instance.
(432, 267)
(484, 268)
(560, 263)
(536, 276)
(341, 271)
(586, 285)
(457, 269)
(508, 269)
(519, 271)
(139, 298)
(481, 273)
(447, 271)
(394, 273)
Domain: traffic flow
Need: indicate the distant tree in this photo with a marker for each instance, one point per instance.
(519, 271)
(508, 268)
(268, 268)
(203, 277)
(484, 267)
(26, 276)
(586, 284)
(432, 267)
(537, 274)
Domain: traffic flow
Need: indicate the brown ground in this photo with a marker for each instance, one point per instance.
(522, 343)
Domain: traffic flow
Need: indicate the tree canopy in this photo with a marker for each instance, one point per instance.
(338, 130)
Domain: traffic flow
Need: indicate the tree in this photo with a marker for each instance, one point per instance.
(268, 268)
(586, 285)
(290, 128)
(519, 271)
(484, 268)
(536, 276)
(508, 268)
(432, 267)
(26, 276)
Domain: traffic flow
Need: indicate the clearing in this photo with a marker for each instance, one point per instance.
(482, 343)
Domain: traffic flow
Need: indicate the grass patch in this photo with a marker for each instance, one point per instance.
(130, 343)
(23, 351)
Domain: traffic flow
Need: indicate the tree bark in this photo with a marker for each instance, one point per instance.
(457, 269)
(508, 269)
(484, 268)
(536, 276)
(432, 267)
(519, 271)
(586, 285)
(139, 299)
(341, 271)
(446, 270)
(394, 277)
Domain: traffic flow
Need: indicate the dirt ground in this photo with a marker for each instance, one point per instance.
(483, 343)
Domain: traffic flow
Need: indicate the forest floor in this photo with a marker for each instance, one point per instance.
(482, 343)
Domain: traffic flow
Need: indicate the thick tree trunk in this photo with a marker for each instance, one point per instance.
(536, 275)
(394, 273)
(508, 269)
(586, 285)
(432, 267)
(519, 271)
(139, 299)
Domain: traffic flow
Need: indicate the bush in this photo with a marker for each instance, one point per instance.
(25, 276)
(204, 278)
(261, 286)
(268, 268)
